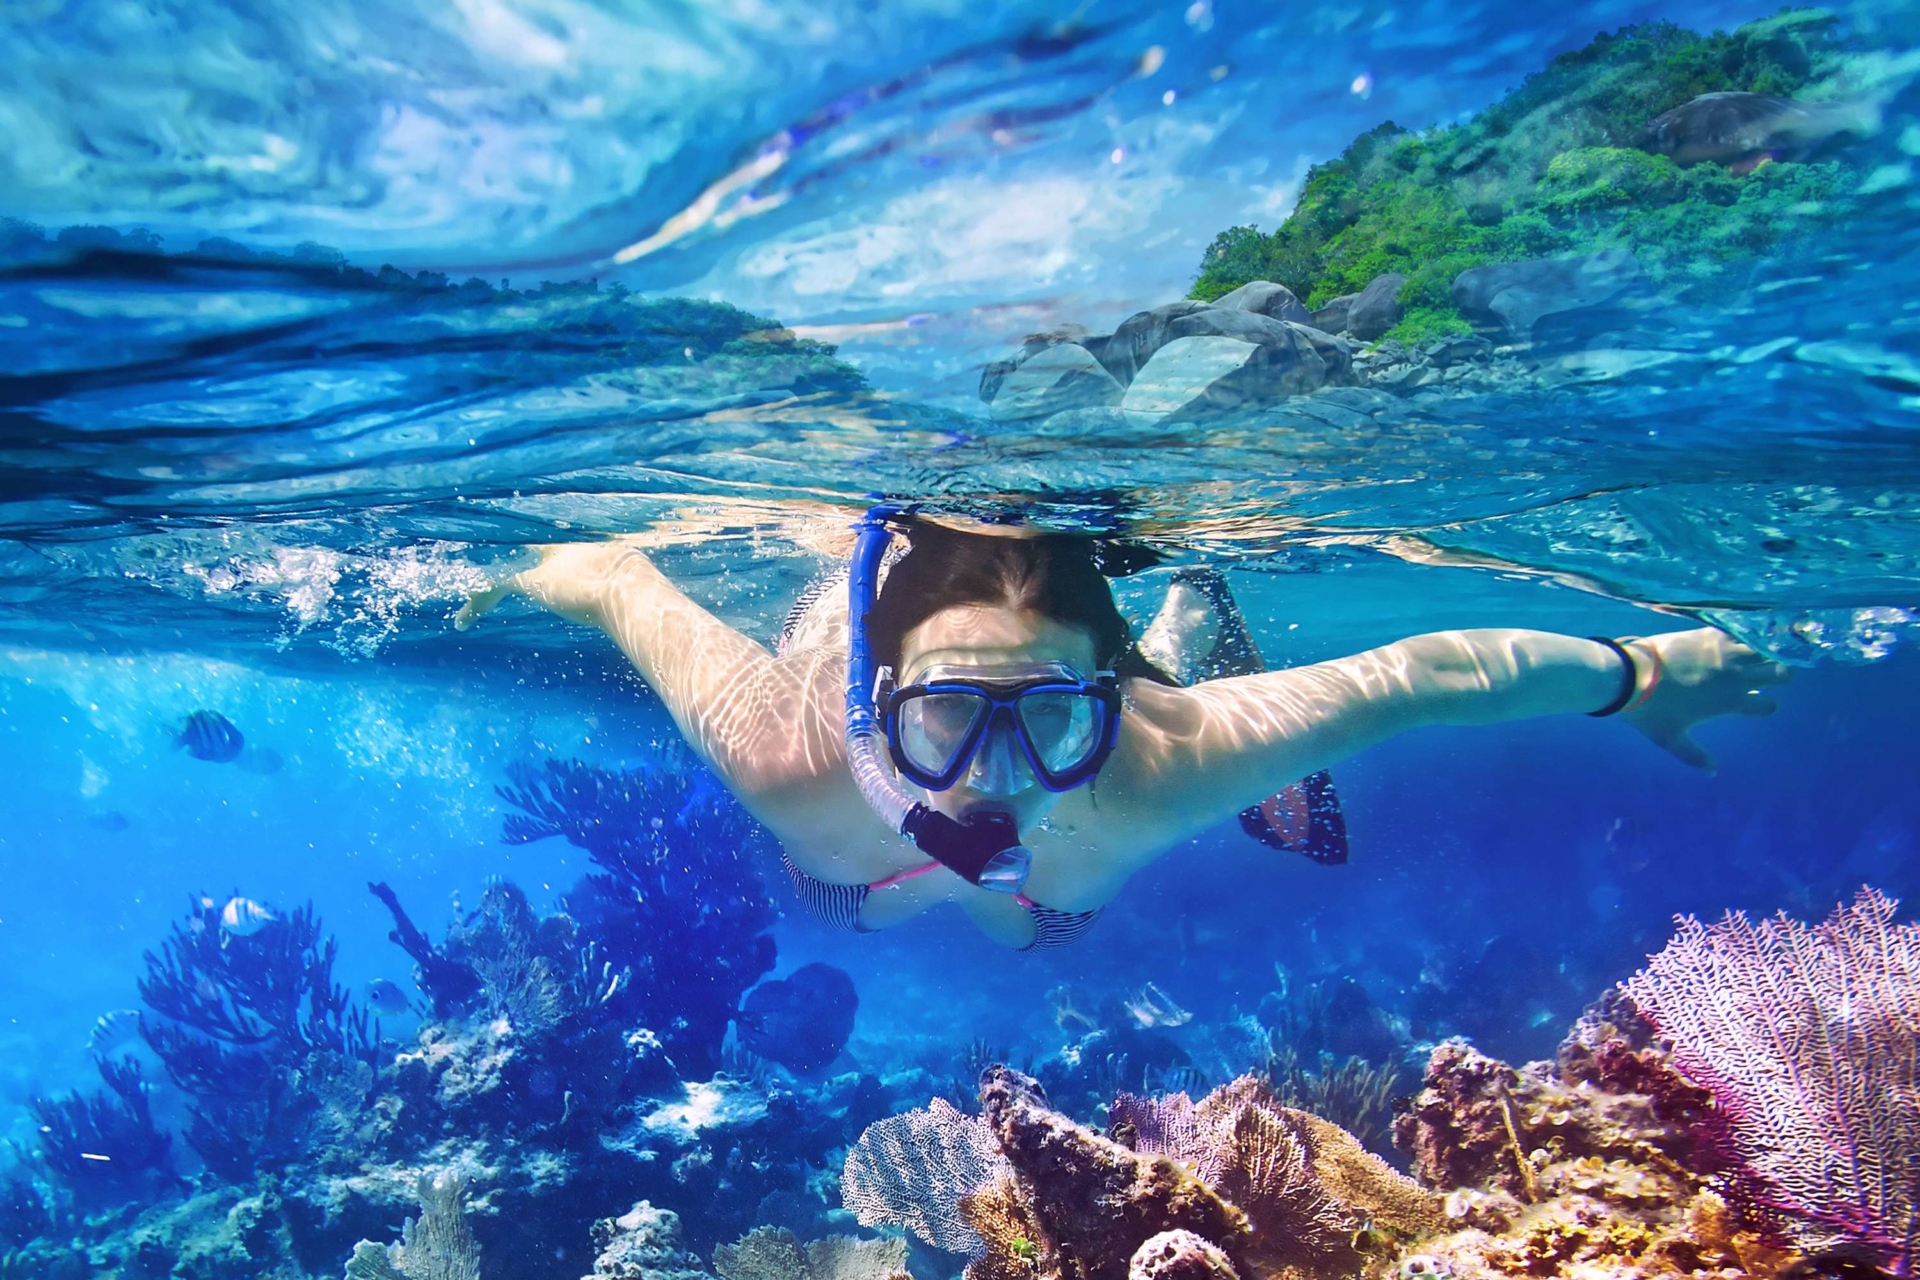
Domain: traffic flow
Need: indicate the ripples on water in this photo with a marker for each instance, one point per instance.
(226, 438)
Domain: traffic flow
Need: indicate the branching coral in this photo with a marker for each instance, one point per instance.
(242, 1020)
(1809, 1039)
(100, 1144)
(449, 985)
(437, 1245)
(774, 1253)
(677, 903)
(1355, 1094)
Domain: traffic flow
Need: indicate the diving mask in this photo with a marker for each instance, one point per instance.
(962, 721)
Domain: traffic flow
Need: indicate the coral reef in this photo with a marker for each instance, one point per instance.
(677, 902)
(1233, 1185)
(247, 1025)
(1805, 1036)
(1547, 1175)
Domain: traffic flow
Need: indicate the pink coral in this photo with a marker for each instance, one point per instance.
(1809, 1039)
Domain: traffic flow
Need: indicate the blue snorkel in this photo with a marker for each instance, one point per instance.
(984, 850)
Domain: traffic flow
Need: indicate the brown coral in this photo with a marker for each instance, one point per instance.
(1096, 1200)
(1306, 1185)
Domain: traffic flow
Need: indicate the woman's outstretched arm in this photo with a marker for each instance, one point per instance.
(764, 724)
(1193, 757)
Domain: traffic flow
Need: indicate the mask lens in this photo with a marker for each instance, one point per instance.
(935, 726)
(1063, 728)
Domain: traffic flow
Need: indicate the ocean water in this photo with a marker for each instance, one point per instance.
(259, 441)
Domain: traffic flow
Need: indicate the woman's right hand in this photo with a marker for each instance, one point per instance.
(570, 579)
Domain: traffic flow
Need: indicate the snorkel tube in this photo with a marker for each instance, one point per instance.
(984, 850)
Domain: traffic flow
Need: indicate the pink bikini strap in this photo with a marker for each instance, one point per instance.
(1023, 900)
(901, 877)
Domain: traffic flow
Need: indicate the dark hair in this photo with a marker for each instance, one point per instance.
(1060, 576)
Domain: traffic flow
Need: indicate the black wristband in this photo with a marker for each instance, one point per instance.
(1628, 686)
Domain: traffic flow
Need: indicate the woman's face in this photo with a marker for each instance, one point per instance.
(994, 636)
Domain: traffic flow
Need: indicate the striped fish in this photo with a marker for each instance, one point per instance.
(208, 735)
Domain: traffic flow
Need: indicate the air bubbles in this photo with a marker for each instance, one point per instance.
(1118, 155)
(1362, 86)
(1167, 98)
(1151, 61)
(1200, 15)
(1219, 73)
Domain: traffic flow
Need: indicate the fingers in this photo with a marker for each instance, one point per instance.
(478, 603)
(1689, 752)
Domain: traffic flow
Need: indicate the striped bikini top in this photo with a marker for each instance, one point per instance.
(839, 905)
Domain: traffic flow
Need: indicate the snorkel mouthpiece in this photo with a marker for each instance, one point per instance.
(986, 849)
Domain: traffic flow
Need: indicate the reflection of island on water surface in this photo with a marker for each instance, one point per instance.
(1579, 229)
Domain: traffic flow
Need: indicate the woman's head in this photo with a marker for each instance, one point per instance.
(986, 592)
(994, 603)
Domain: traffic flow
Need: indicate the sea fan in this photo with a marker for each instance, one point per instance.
(1808, 1037)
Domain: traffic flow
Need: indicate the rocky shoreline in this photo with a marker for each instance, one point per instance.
(1259, 346)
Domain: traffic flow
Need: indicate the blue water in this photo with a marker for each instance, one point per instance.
(263, 485)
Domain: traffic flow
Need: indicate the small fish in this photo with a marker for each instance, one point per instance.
(386, 998)
(802, 1021)
(208, 735)
(113, 1031)
(243, 917)
(1152, 1007)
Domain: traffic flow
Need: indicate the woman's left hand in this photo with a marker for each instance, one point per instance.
(1704, 673)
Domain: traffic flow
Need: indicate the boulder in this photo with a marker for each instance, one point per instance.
(1377, 308)
(1332, 318)
(1263, 297)
(996, 373)
(1061, 376)
(1197, 376)
(1140, 335)
(1513, 297)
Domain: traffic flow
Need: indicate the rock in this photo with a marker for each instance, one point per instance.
(1061, 376)
(1263, 297)
(1729, 128)
(1140, 335)
(1180, 1255)
(643, 1243)
(1377, 308)
(1448, 352)
(1033, 344)
(708, 1107)
(1332, 318)
(1196, 376)
(1512, 297)
(995, 373)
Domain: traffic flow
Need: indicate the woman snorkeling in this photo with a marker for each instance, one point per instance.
(971, 721)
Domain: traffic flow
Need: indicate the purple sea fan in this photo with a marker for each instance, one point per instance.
(1808, 1037)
